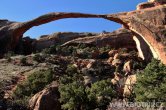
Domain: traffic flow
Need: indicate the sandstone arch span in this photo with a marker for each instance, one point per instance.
(140, 22)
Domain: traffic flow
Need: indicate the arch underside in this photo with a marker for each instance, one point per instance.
(146, 51)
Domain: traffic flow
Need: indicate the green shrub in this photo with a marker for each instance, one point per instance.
(81, 46)
(123, 50)
(1, 91)
(33, 84)
(9, 54)
(23, 60)
(74, 95)
(71, 69)
(151, 83)
(38, 58)
(101, 93)
(133, 53)
(106, 48)
(9, 59)
(138, 65)
(46, 51)
(53, 49)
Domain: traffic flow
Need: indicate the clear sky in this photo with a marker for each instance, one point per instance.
(23, 10)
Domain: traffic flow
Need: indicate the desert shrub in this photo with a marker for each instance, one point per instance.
(9, 59)
(84, 54)
(151, 83)
(123, 50)
(23, 60)
(74, 95)
(51, 50)
(106, 48)
(104, 55)
(46, 51)
(100, 70)
(71, 49)
(33, 84)
(81, 46)
(38, 58)
(1, 91)
(101, 93)
(9, 54)
(83, 51)
(3, 105)
(71, 69)
(138, 65)
(72, 92)
(89, 34)
(58, 48)
(133, 53)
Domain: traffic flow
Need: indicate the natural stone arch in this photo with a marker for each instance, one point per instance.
(14, 30)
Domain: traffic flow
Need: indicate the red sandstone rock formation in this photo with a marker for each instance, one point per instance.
(47, 99)
(12, 32)
(147, 24)
(58, 38)
(121, 38)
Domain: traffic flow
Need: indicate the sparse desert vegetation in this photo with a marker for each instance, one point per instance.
(86, 82)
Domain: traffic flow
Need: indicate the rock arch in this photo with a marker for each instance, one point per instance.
(140, 22)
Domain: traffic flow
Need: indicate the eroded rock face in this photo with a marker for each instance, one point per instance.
(158, 1)
(121, 38)
(58, 38)
(47, 99)
(148, 22)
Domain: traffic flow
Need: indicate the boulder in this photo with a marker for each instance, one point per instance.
(116, 62)
(117, 56)
(130, 81)
(47, 99)
(112, 53)
(116, 78)
(126, 56)
(127, 66)
(110, 60)
(119, 81)
(91, 64)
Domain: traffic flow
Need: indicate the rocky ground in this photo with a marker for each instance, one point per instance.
(102, 63)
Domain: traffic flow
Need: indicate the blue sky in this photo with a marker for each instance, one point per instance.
(23, 10)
